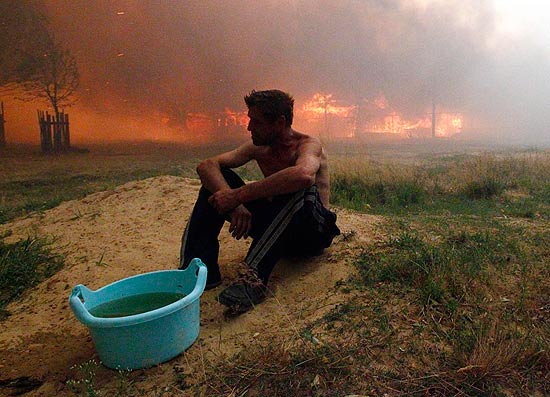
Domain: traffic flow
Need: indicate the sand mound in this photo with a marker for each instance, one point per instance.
(137, 228)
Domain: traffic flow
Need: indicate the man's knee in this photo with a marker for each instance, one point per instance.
(233, 180)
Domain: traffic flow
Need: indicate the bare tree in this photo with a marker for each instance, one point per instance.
(33, 64)
(52, 74)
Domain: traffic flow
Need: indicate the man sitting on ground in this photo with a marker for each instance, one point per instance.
(286, 213)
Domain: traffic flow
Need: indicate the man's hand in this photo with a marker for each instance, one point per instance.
(224, 200)
(241, 222)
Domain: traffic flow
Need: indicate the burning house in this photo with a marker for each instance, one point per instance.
(373, 118)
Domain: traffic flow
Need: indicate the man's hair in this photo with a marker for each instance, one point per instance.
(272, 104)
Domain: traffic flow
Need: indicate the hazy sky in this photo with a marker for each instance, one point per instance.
(488, 59)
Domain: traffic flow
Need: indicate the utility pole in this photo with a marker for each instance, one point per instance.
(2, 130)
(325, 104)
(433, 119)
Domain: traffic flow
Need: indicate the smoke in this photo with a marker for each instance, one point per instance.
(162, 59)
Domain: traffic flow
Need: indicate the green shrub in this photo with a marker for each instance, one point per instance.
(441, 271)
(484, 189)
(357, 194)
(24, 264)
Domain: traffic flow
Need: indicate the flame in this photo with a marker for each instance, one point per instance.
(232, 118)
(324, 104)
(381, 102)
(198, 122)
(395, 124)
(228, 121)
(374, 116)
(456, 122)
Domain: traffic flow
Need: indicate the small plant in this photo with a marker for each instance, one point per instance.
(340, 314)
(100, 261)
(24, 264)
(124, 383)
(484, 189)
(85, 385)
(495, 355)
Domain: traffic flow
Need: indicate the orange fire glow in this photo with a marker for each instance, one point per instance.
(324, 104)
(232, 118)
(228, 121)
(374, 116)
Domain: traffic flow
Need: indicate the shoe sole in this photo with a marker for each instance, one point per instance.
(212, 285)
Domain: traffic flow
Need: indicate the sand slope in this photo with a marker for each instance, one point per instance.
(134, 229)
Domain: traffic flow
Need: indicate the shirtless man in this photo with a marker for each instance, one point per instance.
(284, 213)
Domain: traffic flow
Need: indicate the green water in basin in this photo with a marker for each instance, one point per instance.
(135, 304)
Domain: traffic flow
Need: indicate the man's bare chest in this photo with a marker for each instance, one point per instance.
(272, 163)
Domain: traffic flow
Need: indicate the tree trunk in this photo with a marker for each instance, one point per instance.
(57, 136)
(2, 130)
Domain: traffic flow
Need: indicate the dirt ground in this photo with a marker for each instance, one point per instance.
(137, 228)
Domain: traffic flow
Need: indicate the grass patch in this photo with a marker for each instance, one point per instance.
(284, 367)
(484, 189)
(24, 264)
(486, 184)
(23, 196)
(442, 271)
(353, 192)
(39, 194)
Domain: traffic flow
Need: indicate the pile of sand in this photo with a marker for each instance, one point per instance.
(135, 229)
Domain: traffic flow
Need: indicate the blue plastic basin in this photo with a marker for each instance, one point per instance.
(150, 338)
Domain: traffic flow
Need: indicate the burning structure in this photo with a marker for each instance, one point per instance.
(374, 117)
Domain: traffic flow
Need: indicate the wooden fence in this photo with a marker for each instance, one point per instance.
(54, 132)
(2, 122)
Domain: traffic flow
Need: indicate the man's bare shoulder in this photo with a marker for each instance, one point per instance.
(247, 148)
(307, 142)
(236, 157)
(251, 150)
(305, 137)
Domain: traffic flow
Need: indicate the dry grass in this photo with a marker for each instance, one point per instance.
(500, 356)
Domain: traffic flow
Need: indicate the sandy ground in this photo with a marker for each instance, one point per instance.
(135, 229)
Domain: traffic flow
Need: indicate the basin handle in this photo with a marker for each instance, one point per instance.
(200, 269)
(75, 301)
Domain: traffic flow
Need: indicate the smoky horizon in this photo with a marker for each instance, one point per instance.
(176, 70)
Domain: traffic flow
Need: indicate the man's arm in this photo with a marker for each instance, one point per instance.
(289, 180)
(209, 170)
(212, 179)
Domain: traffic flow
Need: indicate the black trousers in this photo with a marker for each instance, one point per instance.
(291, 224)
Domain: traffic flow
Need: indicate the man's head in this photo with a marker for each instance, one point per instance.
(270, 112)
(272, 104)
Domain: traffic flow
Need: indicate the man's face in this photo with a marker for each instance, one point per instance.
(263, 131)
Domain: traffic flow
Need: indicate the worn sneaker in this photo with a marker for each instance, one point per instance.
(213, 277)
(242, 296)
(212, 284)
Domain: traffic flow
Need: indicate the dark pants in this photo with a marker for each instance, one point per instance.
(291, 224)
